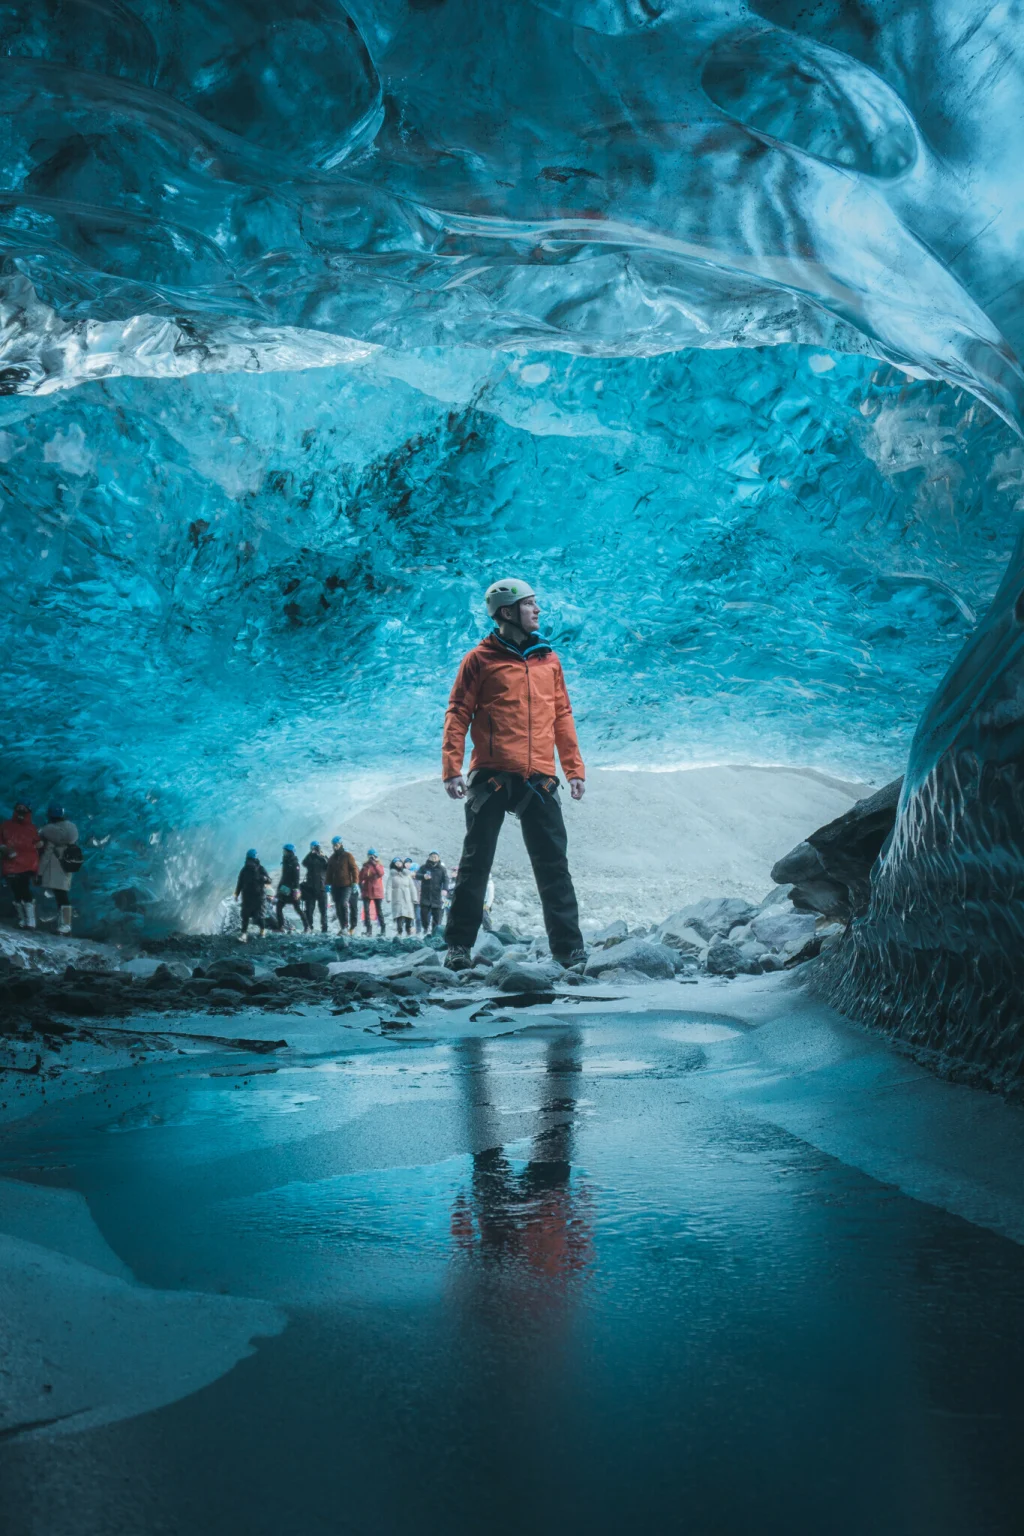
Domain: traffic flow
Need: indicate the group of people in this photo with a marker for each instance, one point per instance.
(511, 700)
(34, 859)
(415, 894)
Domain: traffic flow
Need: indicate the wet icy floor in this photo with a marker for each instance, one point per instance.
(553, 1272)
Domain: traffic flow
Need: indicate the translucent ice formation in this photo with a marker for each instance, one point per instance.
(234, 602)
(712, 308)
(600, 176)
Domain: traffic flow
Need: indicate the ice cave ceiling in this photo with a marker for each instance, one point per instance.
(314, 316)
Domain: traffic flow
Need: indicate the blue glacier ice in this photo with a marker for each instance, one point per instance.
(311, 315)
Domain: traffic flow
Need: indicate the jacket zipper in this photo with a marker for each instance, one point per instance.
(529, 719)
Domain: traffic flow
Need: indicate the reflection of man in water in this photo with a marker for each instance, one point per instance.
(535, 1220)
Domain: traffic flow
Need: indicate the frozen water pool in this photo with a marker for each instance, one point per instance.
(559, 1271)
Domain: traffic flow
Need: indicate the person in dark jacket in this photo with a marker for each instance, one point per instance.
(433, 884)
(288, 889)
(250, 886)
(343, 880)
(314, 887)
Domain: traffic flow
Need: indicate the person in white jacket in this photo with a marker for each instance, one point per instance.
(401, 894)
(55, 839)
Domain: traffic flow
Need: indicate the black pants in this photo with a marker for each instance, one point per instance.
(432, 915)
(252, 912)
(399, 921)
(21, 885)
(546, 843)
(346, 904)
(368, 902)
(293, 902)
(310, 902)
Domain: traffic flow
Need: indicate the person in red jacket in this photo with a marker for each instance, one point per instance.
(371, 888)
(19, 861)
(510, 696)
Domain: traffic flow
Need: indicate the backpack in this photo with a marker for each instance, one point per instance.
(71, 859)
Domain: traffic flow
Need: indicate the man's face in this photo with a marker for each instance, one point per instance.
(21, 813)
(529, 614)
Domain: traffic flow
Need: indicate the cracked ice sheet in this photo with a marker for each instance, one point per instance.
(845, 1090)
(82, 1343)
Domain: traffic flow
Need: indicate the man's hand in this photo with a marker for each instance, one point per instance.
(577, 788)
(456, 787)
(237, 896)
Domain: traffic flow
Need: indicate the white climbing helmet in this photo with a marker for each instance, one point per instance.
(506, 594)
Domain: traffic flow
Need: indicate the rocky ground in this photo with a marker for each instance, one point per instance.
(48, 985)
(55, 992)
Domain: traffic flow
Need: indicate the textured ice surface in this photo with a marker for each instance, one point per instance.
(510, 245)
(235, 598)
(603, 176)
(939, 958)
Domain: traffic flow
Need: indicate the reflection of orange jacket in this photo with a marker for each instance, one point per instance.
(516, 710)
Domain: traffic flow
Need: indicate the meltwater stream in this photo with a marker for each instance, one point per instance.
(552, 1272)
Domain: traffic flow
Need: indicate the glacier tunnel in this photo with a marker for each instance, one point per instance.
(703, 316)
(309, 317)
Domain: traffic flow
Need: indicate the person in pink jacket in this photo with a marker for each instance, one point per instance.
(19, 861)
(371, 888)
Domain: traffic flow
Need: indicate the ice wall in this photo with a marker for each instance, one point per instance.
(937, 960)
(510, 244)
(599, 176)
(235, 603)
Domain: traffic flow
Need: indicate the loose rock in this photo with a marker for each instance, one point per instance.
(654, 960)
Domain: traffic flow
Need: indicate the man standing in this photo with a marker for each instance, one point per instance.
(251, 886)
(510, 695)
(343, 879)
(433, 884)
(314, 887)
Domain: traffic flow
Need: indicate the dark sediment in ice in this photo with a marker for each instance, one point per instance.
(937, 959)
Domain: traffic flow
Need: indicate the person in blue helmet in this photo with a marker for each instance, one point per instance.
(433, 885)
(288, 888)
(314, 886)
(343, 880)
(371, 888)
(250, 888)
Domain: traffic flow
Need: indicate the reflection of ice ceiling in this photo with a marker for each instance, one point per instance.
(611, 292)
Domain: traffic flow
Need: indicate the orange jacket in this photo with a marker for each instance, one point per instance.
(516, 710)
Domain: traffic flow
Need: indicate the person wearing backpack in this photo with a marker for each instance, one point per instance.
(288, 889)
(314, 886)
(59, 859)
(251, 887)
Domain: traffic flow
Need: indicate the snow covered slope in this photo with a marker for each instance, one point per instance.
(640, 844)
